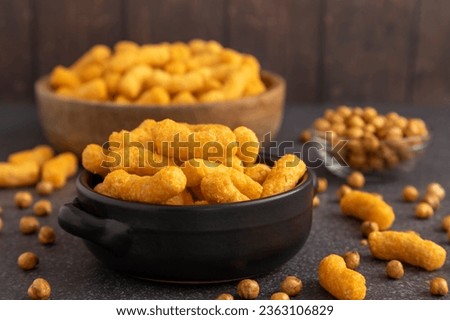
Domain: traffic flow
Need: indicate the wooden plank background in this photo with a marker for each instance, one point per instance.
(329, 51)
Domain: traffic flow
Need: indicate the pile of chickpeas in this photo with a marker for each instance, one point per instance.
(375, 142)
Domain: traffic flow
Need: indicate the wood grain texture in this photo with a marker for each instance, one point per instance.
(431, 82)
(284, 35)
(366, 50)
(174, 20)
(66, 29)
(16, 49)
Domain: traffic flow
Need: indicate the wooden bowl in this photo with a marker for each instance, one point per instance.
(70, 124)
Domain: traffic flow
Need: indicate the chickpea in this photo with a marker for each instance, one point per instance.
(225, 296)
(322, 185)
(364, 242)
(410, 193)
(279, 296)
(46, 235)
(446, 223)
(432, 199)
(354, 132)
(328, 114)
(358, 111)
(344, 111)
(369, 113)
(394, 269)
(356, 180)
(23, 199)
(39, 290)
(339, 128)
(44, 188)
(379, 121)
(316, 201)
(42, 208)
(370, 128)
(336, 118)
(291, 285)
(438, 286)
(437, 189)
(28, 224)
(321, 124)
(248, 289)
(376, 163)
(367, 227)
(424, 210)
(27, 261)
(343, 190)
(355, 121)
(352, 259)
(305, 136)
(371, 143)
(394, 133)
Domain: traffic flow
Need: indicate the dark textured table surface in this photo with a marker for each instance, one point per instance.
(75, 274)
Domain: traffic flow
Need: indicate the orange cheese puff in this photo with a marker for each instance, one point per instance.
(156, 95)
(246, 185)
(122, 99)
(254, 87)
(165, 132)
(211, 84)
(165, 184)
(175, 67)
(132, 82)
(212, 96)
(91, 71)
(214, 47)
(94, 159)
(197, 45)
(197, 193)
(112, 82)
(38, 154)
(158, 78)
(97, 54)
(102, 189)
(196, 169)
(340, 281)
(191, 81)
(126, 45)
(368, 207)
(248, 145)
(65, 92)
(231, 56)
(179, 51)
(183, 198)
(63, 77)
(407, 247)
(218, 187)
(18, 174)
(217, 143)
(154, 55)
(258, 172)
(124, 138)
(59, 169)
(93, 90)
(251, 62)
(285, 174)
(184, 97)
(233, 162)
(139, 161)
(234, 85)
(121, 61)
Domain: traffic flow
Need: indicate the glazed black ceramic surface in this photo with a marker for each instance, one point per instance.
(191, 243)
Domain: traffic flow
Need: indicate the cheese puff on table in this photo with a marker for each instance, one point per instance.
(132, 82)
(59, 169)
(156, 95)
(343, 283)
(154, 55)
(407, 247)
(248, 145)
(38, 154)
(96, 54)
(92, 90)
(94, 159)
(64, 77)
(368, 207)
(183, 198)
(258, 172)
(18, 174)
(156, 189)
(184, 97)
(285, 174)
(218, 187)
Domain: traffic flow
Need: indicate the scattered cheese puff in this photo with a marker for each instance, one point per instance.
(156, 95)
(285, 174)
(94, 159)
(63, 77)
(340, 281)
(218, 187)
(18, 175)
(258, 172)
(157, 189)
(38, 154)
(367, 207)
(59, 169)
(93, 90)
(248, 145)
(407, 247)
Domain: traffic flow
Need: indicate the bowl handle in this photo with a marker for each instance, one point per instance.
(109, 234)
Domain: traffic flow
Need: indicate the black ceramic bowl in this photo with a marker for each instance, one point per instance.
(210, 243)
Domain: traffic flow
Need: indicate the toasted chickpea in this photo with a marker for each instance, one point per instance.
(410, 193)
(321, 124)
(343, 190)
(44, 188)
(42, 208)
(338, 128)
(367, 227)
(316, 201)
(432, 199)
(369, 113)
(279, 296)
(344, 111)
(355, 121)
(305, 136)
(322, 185)
(364, 242)
(23, 199)
(354, 132)
(424, 210)
(446, 223)
(379, 121)
(225, 296)
(394, 133)
(371, 143)
(336, 118)
(27, 261)
(248, 289)
(46, 235)
(352, 259)
(438, 286)
(436, 189)
(28, 224)
(356, 180)
(291, 285)
(358, 111)
(39, 290)
(394, 269)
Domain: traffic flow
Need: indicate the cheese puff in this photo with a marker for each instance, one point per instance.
(122, 61)
(201, 203)
(20, 174)
(122, 99)
(258, 172)
(285, 174)
(212, 96)
(340, 281)
(231, 56)
(164, 132)
(102, 189)
(197, 46)
(208, 126)
(175, 67)
(147, 127)
(154, 55)
(196, 192)
(183, 198)
(59, 169)
(132, 82)
(65, 92)
(217, 142)
(367, 207)
(63, 77)
(407, 247)
(213, 47)
(246, 185)
(97, 54)
(218, 187)
(139, 161)
(92, 90)
(158, 78)
(91, 71)
(222, 71)
(165, 184)
(112, 81)
(156, 95)
(235, 84)
(251, 62)
(94, 159)
(254, 87)
(233, 162)
(211, 84)
(126, 45)
(179, 51)
(184, 97)
(248, 145)
(204, 60)
(38, 154)
(196, 169)
(191, 81)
